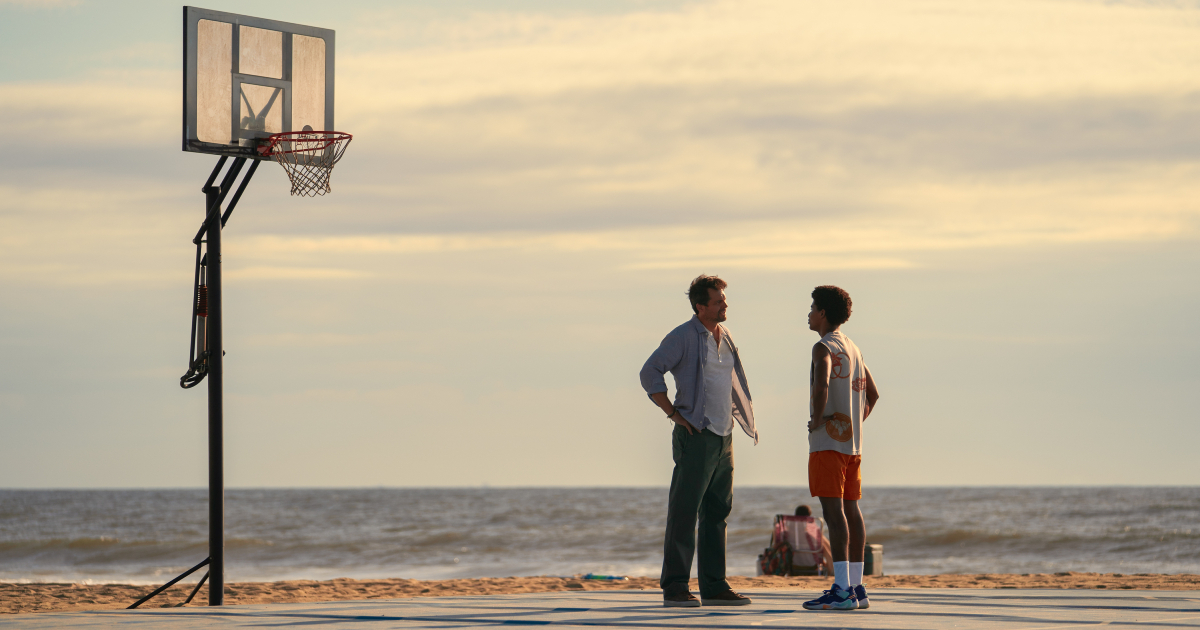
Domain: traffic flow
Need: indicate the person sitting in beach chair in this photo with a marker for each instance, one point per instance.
(798, 546)
(823, 558)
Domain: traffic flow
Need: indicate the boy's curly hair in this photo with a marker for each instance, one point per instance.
(834, 301)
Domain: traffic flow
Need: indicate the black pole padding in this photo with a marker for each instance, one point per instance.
(169, 585)
(238, 195)
(195, 590)
(216, 378)
(216, 169)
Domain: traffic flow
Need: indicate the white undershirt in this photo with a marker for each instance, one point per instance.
(718, 386)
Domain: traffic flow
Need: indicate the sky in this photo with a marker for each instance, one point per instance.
(1007, 189)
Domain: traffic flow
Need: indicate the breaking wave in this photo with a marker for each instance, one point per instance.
(147, 536)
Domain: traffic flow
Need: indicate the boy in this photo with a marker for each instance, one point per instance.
(842, 396)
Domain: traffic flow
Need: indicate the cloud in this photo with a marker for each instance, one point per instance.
(121, 108)
(924, 48)
(294, 273)
(40, 4)
(826, 243)
(877, 131)
(538, 185)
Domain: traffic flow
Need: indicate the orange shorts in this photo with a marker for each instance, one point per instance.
(834, 474)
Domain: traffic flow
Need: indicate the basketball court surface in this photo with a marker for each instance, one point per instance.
(965, 609)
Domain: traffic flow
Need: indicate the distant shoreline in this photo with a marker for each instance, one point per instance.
(48, 597)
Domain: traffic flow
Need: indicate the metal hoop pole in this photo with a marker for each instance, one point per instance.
(214, 359)
(216, 406)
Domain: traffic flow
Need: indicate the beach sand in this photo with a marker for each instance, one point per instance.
(27, 598)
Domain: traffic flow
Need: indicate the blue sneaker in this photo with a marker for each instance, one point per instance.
(835, 598)
(860, 594)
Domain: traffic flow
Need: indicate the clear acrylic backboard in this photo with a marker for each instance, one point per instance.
(245, 78)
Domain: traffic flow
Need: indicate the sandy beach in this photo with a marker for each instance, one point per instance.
(28, 598)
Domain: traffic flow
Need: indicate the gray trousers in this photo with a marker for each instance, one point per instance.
(702, 485)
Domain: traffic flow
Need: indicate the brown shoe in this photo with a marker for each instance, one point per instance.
(681, 600)
(728, 598)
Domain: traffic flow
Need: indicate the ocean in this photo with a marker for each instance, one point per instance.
(149, 536)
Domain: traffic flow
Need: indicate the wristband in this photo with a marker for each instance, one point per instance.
(672, 414)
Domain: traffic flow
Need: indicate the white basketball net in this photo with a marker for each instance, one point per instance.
(307, 157)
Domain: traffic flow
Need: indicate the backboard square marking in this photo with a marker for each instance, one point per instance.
(308, 83)
(214, 62)
(261, 52)
(262, 108)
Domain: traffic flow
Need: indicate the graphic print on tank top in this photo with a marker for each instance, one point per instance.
(847, 398)
(841, 365)
(840, 427)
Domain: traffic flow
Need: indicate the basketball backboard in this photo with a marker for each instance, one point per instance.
(245, 78)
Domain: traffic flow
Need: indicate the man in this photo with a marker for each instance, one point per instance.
(711, 392)
(843, 394)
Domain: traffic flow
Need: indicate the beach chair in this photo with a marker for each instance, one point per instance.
(804, 536)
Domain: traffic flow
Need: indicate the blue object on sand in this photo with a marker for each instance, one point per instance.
(593, 576)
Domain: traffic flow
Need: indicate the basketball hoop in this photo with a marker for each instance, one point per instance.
(307, 157)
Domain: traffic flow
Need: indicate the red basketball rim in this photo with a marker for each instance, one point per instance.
(311, 141)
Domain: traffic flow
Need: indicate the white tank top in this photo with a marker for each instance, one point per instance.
(847, 398)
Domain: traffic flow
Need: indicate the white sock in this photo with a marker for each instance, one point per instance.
(856, 571)
(841, 574)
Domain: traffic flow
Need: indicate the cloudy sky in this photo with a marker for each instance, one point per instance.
(1008, 189)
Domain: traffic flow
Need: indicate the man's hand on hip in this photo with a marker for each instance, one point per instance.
(673, 414)
(678, 419)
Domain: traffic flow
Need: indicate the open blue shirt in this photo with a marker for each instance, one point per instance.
(683, 353)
